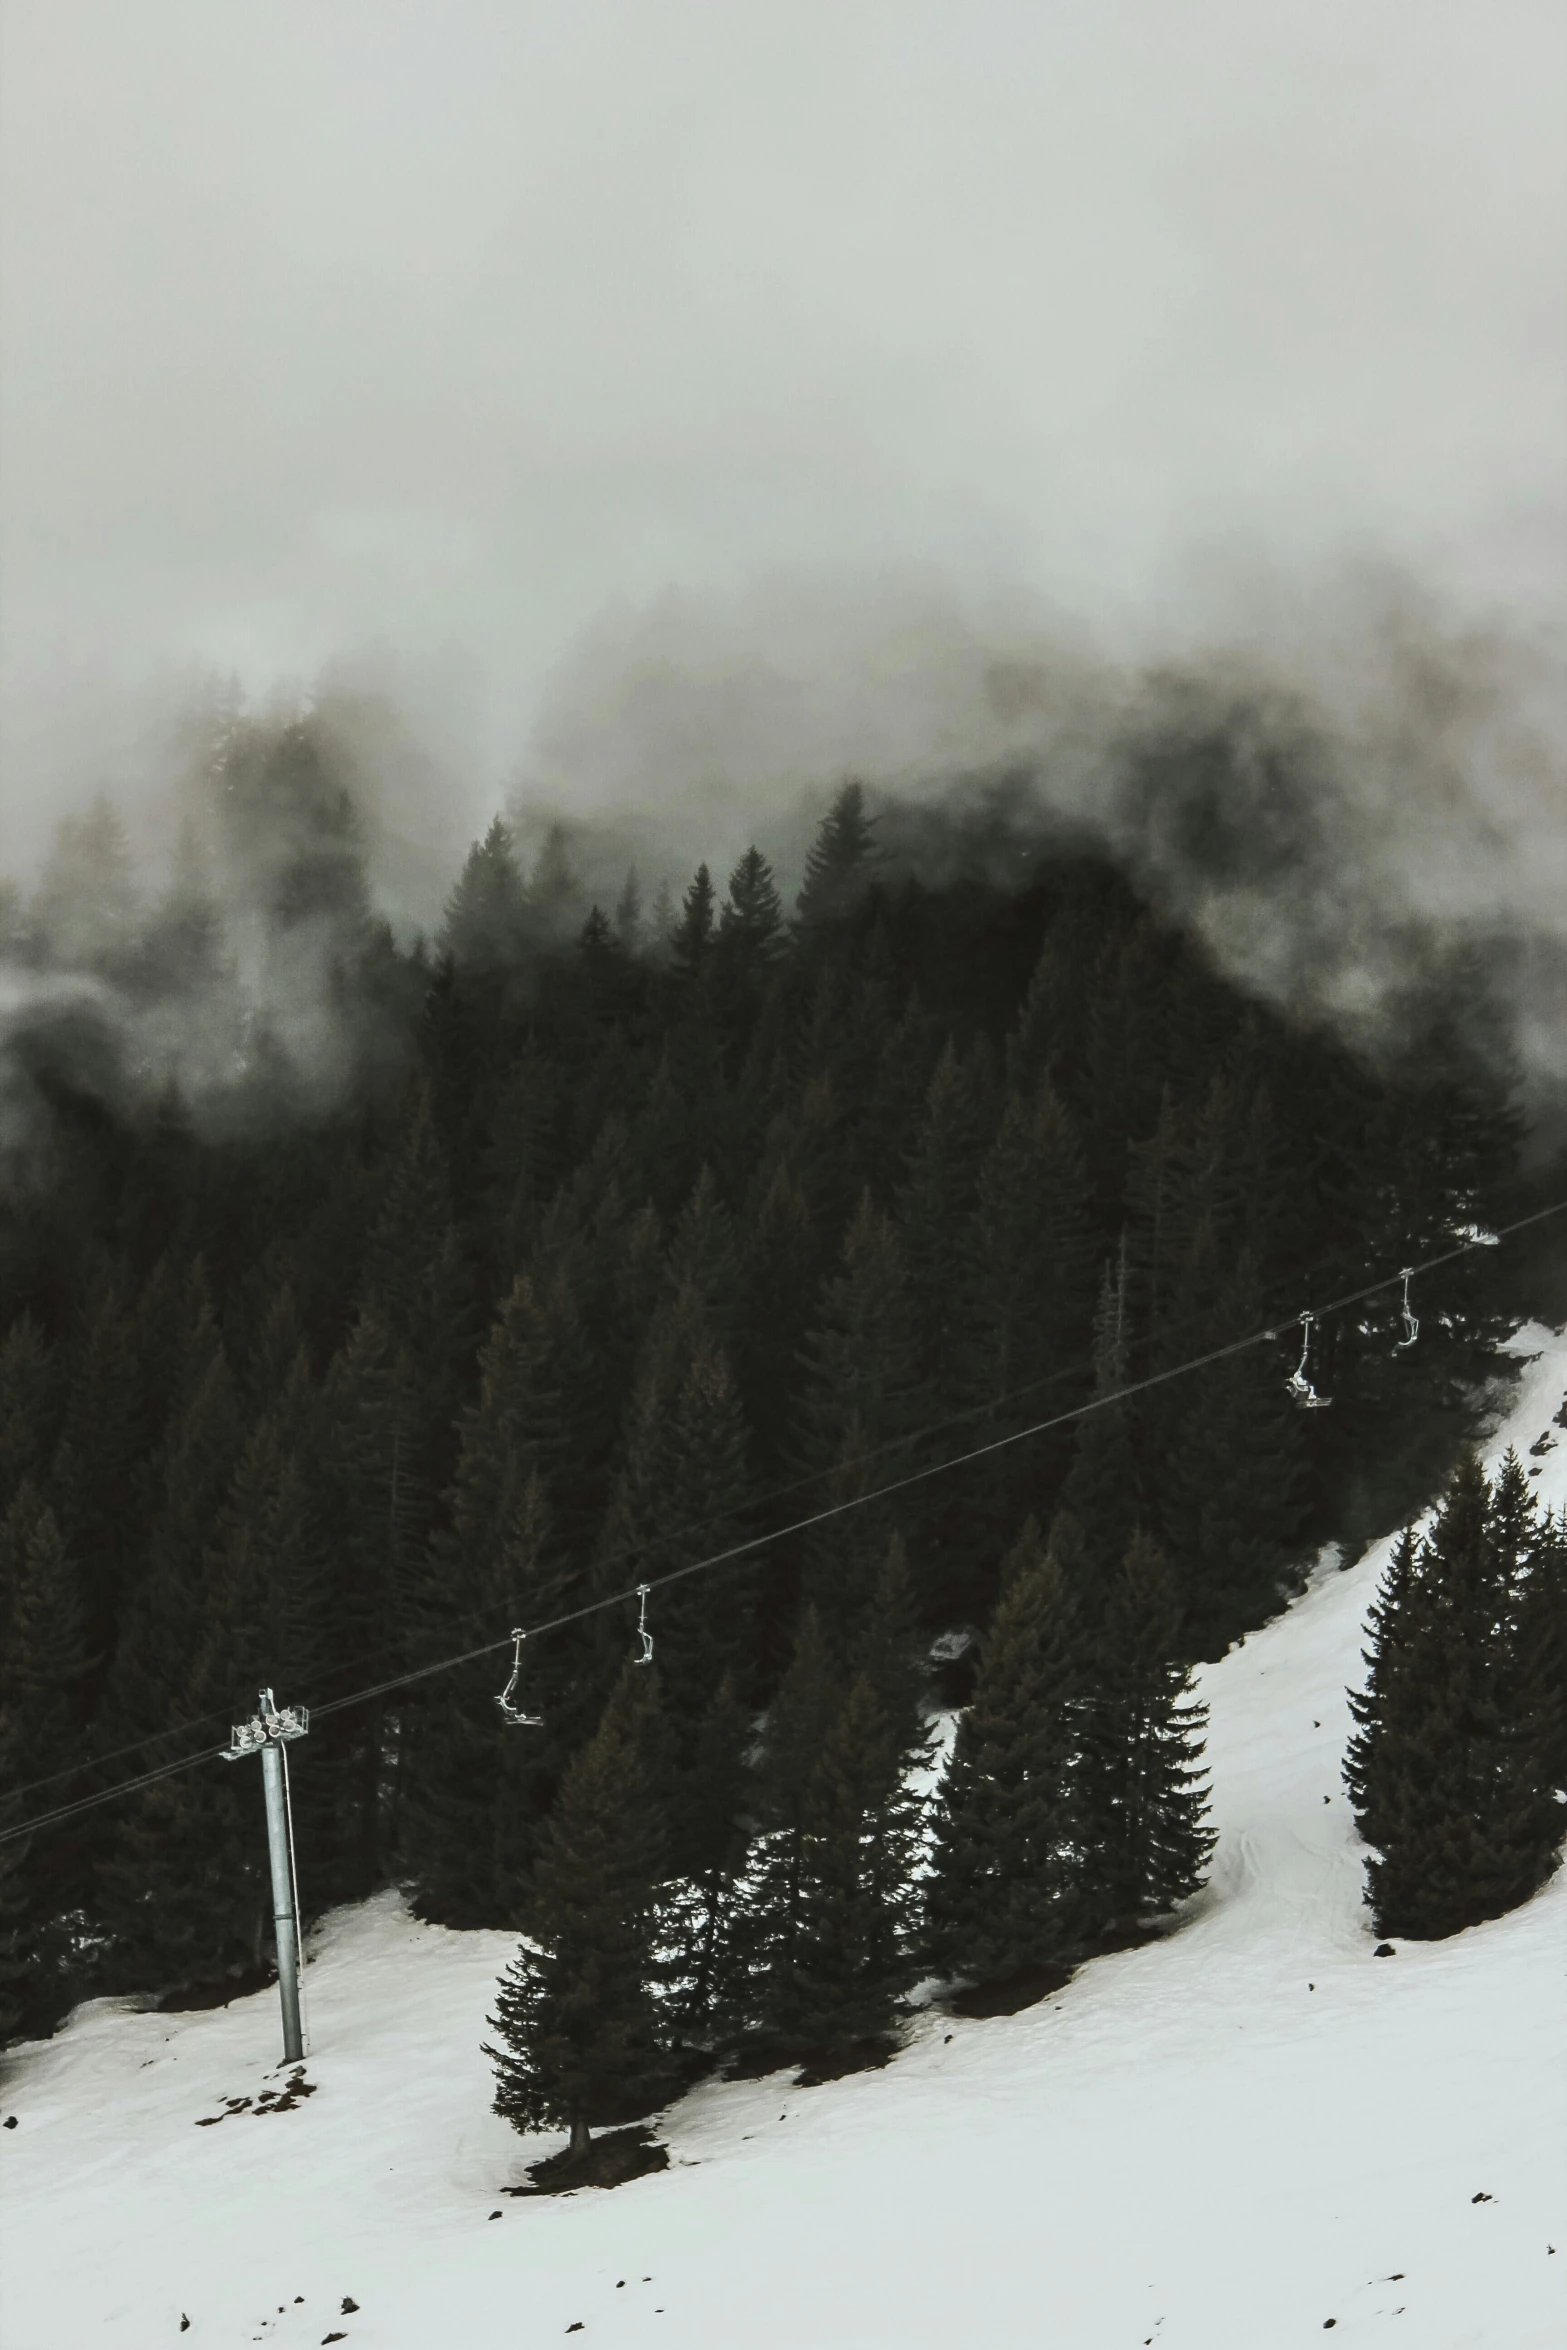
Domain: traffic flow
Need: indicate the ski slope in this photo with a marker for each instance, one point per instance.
(1238, 2139)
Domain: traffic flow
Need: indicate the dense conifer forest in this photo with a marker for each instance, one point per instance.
(619, 1237)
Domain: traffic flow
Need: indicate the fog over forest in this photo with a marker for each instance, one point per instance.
(645, 416)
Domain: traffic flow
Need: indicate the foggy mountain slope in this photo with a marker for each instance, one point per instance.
(1245, 2135)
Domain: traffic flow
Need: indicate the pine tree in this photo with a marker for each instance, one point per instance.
(864, 1392)
(1231, 1492)
(885, 1646)
(473, 1792)
(934, 1206)
(1031, 1261)
(1144, 1843)
(554, 895)
(680, 1489)
(1004, 1878)
(629, 926)
(780, 1268)
(156, 1678)
(750, 924)
(693, 939)
(1102, 1493)
(43, 1621)
(43, 1660)
(834, 1941)
(486, 922)
(709, 1843)
(86, 909)
(838, 862)
(576, 2014)
(1449, 1770)
(704, 1258)
(1542, 1646)
(25, 1397)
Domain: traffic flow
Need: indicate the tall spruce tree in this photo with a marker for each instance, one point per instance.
(750, 940)
(1002, 1894)
(680, 1489)
(1141, 1799)
(708, 1844)
(838, 861)
(1449, 1769)
(576, 2013)
(1031, 1260)
(845, 1894)
(1102, 1494)
(827, 1942)
(1542, 1645)
(486, 922)
(864, 1392)
(43, 1659)
(25, 1399)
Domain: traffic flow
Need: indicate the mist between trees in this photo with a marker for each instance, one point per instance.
(464, 1282)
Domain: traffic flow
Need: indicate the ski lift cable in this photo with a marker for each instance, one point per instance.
(697, 1526)
(404, 1680)
(987, 1409)
(15, 1833)
(738, 1550)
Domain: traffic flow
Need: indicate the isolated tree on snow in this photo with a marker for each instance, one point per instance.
(1449, 1767)
(576, 2011)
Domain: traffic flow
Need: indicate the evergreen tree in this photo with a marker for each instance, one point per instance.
(709, 1843)
(1144, 1844)
(1102, 1494)
(43, 1660)
(576, 2013)
(934, 1206)
(833, 1932)
(1231, 1494)
(1003, 1890)
(486, 921)
(885, 1646)
(779, 1277)
(693, 940)
(25, 1369)
(750, 923)
(680, 1490)
(704, 1259)
(864, 1392)
(629, 927)
(43, 1656)
(1031, 1261)
(156, 1678)
(85, 910)
(1542, 1645)
(554, 895)
(838, 862)
(1449, 1770)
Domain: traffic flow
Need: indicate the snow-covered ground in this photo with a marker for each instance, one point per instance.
(1235, 2140)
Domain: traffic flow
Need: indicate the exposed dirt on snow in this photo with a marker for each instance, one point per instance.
(1236, 2138)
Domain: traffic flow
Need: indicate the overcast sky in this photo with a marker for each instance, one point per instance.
(447, 334)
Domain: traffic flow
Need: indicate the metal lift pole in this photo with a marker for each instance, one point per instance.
(267, 1734)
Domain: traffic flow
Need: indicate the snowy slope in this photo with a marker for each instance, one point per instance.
(1223, 2142)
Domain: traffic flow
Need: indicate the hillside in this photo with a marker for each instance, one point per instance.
(1245, 2136)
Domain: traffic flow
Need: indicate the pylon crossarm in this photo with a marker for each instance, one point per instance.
(272, 1726)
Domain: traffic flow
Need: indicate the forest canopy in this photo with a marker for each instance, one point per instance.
(510, 1270)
